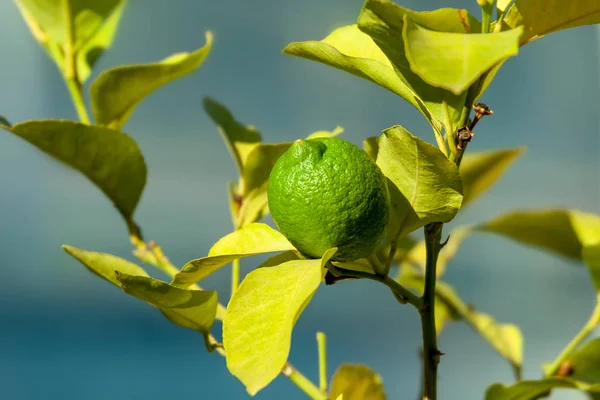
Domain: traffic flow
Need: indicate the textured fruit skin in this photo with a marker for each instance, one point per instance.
(326, 193)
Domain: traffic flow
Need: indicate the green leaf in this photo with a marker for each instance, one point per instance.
(424, 185)
(104, 265)
(542, 17)
(350, 50)
(259, 164)
(417, 254)
(586, 362)
(454, 61)
(338, 130)
(250, 240)
(4, 123)
(565, 232)
(240, 139)
(505, 339)
(116, 92)
(193, 309)
(591, 258)
(371, 146)
(530, 390)
(257, 330)
(356, 382)
(383, 20)
(480, 170)
(109, 158)
(254, 206)
(94, 25)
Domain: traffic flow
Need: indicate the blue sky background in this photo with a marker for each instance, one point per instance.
(64, 334)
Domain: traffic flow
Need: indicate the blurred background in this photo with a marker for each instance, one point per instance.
(65, 334)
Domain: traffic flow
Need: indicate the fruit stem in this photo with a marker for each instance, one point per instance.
(564, 355)
(322, 346)
(431, 353)
(235, 275)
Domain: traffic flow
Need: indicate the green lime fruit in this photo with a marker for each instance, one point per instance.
(326, 193)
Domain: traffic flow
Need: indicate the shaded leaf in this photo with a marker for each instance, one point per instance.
(586, 362)
(259, 164)
(94, 25)
(371, 146)
(529, 390)
(193, 309)
(257, 330)
(117, 91)
(254, 206)
(417, 254)
(426, 186)
(542, 17)
(383, 21)
(279, 259)
(109, 158)
(480, 170)
(562, 231)
(4, 122)
(356, 382)
(240, 139)
(454, 61)
(104, 265)
(250, 240)
(591, 258)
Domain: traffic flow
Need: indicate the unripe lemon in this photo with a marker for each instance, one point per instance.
(326, 193)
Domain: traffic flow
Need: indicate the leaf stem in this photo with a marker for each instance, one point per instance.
(235, 275)
(322, 346)
(303, 383)
(431, 353)
(70, 65)
(564, 355)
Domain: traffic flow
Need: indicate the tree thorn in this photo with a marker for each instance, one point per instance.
(444, 243)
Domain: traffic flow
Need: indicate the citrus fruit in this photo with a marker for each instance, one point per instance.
(326, 193)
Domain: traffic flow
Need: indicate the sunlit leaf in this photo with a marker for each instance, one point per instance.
(480, 170)
(240, 139)
(541, 17)
(104, 265)
(562, 231)
(338, 130)
(94, 24)
(117, 91)
(454, 61)
(371, 146)
(530, 390)
(356, 382)
(109, 158)
(254, 206)
(255, 238)
(426, 186)
(257, 329)
(193, 309)
(349, 49)
(383, 21)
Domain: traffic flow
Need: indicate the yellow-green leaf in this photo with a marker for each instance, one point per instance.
(425, 186)
(591, 258)
(259, 164)
(338, 130)
(116, 92)
(530, 390)
(454, 61)
(240, 139)
(107, 157)
(383, 21)
(93, 23)
(585, 362)
(257, 330)
(480, 170)
(255, 238)
(193, 309)
(356, 382)
(371, 146)
(542, 17)
(565, 232)
(104, 265)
